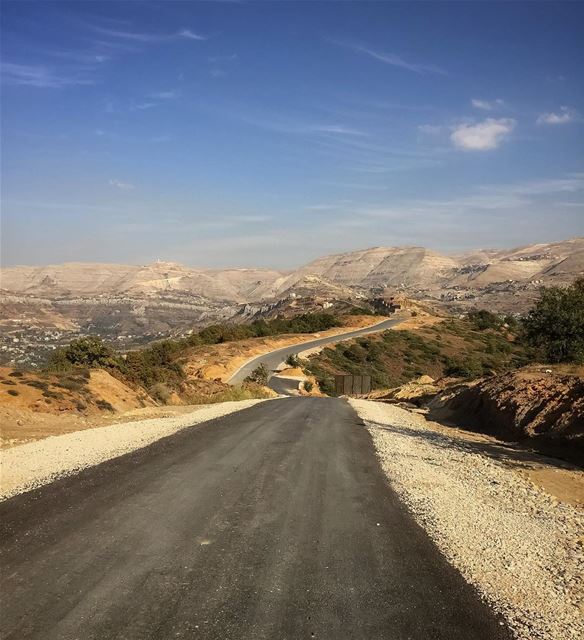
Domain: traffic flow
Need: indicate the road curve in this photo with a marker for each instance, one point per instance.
(273, 359)
(272, 523)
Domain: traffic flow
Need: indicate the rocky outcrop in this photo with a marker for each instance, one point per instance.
(534, 404)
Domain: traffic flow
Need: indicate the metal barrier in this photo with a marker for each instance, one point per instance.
(348, 385)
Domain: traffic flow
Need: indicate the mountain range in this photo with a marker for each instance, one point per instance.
(401, 267)
(141, 302)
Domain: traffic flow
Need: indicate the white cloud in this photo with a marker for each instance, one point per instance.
(564, 116)
(122, 186)
(487, 105)
(482, 136)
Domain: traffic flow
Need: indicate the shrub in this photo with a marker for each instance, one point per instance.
(308, 386)
(12, 392)
(293, 360)
(104, 405)
(247, 391)
(259, 375)
(72, 383)
(483, 319)
(160, 392)
(468, 367)
(555, 326)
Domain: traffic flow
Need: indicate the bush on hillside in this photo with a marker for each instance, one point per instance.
(555, 326)
(483, 319)
(89, 351)
(259, 375)
(293, 360)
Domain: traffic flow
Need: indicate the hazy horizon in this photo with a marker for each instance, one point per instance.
(268, 134)
(291, 267)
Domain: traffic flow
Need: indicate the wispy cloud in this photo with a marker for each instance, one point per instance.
(42, 76)
(166, 95)
(564, 116)
(298, 126)
(122, 186)
(142, 106)
(483, 136)
(390, 58)
(191, 35)
(487, 105)
(479, 203)
(147, 38)
(225, 58)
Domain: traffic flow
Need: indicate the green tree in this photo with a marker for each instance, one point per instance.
(555, 326)
(89, 351)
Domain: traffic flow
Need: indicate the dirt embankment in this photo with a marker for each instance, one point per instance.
(543, 406)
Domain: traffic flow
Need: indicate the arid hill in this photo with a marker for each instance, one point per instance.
(45, 306)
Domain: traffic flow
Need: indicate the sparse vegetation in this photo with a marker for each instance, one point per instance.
(305, 323)
(483, 319)
(104, 405)
(452, 348)
(247, 391)
(157, 368)
(555, 326)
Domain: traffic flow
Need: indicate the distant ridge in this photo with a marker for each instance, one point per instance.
(408, 267)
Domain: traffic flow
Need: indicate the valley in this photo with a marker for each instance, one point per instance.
(45, 307)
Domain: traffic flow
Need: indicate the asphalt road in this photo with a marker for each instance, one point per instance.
(272, 523)
(285, 386)
(273, 359)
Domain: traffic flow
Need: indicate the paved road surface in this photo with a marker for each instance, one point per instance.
(274, 523)
(284, 385)
(273, 359)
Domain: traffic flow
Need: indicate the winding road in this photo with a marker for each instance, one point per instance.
(274, 523)
(275, 358)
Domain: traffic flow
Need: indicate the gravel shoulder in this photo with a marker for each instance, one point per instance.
(34, 464)
(519, 546)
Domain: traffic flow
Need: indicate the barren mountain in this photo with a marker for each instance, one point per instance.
(129, 303)
(156, 279)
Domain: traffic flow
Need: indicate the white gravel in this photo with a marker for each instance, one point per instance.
(521, 548)
(36, 463)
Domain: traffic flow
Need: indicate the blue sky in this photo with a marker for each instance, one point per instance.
(267, 134)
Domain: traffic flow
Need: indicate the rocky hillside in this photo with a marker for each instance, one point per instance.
(541, 405)
(43, 307)
(159, 279)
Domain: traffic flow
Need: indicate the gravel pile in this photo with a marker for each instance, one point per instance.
(521, 548)
(31, 465)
